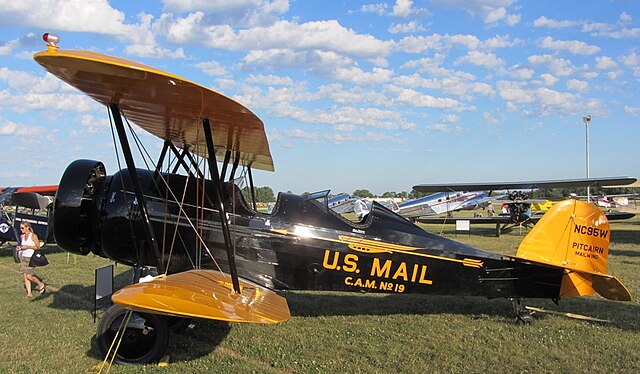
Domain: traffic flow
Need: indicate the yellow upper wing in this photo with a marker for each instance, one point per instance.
(166, 105)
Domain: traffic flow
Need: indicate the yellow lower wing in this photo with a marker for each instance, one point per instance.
(205, 294)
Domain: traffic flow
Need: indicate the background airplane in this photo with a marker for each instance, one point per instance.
(32, 204)
(444, 202)
(518, 201)
(433, 204)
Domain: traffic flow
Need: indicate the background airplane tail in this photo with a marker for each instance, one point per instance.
(574, 235)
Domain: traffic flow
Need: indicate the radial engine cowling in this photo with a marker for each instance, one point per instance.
(75, 212)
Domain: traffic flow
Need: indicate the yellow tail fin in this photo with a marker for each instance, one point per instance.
(575, 235)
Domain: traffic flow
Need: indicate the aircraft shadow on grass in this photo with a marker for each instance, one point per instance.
(622, 315)
(206, 335)
(624, 252)
(624, 236)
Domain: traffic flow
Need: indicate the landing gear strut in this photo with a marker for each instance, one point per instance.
(522, 317)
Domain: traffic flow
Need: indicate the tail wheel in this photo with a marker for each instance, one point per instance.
(525, 320)
(144, 341)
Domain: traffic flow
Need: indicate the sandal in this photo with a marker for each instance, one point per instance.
(42, 289)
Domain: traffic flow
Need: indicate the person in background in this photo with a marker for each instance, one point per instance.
(29, 243)
(490, 210)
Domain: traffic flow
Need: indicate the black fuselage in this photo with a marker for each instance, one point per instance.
(301, 245)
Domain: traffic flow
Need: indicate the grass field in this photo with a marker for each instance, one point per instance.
(338, 332)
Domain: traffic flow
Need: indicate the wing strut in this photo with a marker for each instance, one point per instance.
(253, 192)
(163, 154)
(131, 167)
(213, 169)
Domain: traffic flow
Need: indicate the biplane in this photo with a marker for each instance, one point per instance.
(217, 257)
(31, 204)
(517, 199)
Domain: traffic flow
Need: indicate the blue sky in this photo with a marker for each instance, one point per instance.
(353, 94)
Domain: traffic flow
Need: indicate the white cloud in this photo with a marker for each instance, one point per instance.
(212, 68)
(491, 119)
(571, 46)
(488, 60)
(402, 8)
(492, 11)
(631, 109)
(420, 44)
(558, 66)
(7, 48)
(513, 19)
(310, 36)
(213, 6)
(151, 50)
(93, 125)
(232, 12)
(450, 118)
(358, 76)
(318, 61)
(519, 72)
(495, 15)
(18, 80)
(631, 60)
(29, 92)
(500, 41)
(610, 31)
(514, 91)
(577, 85)
(440, 127)
(605, 63)
(547, 79)
(10, 128)
(625, 18)
(420, 100)
(449, 84)
(404, 28)
(553, 24)
(542, 101)
(380, 8)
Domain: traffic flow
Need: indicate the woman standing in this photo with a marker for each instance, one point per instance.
(29, 243)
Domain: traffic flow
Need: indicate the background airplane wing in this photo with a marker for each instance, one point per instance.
(502, 219)
(487, 220)
(561, 183)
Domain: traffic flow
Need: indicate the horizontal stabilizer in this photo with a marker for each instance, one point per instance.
(205, 294)
(610, 288)
(580, 283)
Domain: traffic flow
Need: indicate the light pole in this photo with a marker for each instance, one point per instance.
(587, 120)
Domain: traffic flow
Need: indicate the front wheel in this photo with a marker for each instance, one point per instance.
(145, 338)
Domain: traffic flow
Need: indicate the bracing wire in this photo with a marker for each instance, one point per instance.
(198, 234)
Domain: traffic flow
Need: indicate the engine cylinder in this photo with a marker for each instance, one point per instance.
(75, 210)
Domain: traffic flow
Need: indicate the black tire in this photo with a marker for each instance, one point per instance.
(525, 320)
(145, 339)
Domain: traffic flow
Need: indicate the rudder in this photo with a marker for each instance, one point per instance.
(575, 235)
(572, 234)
